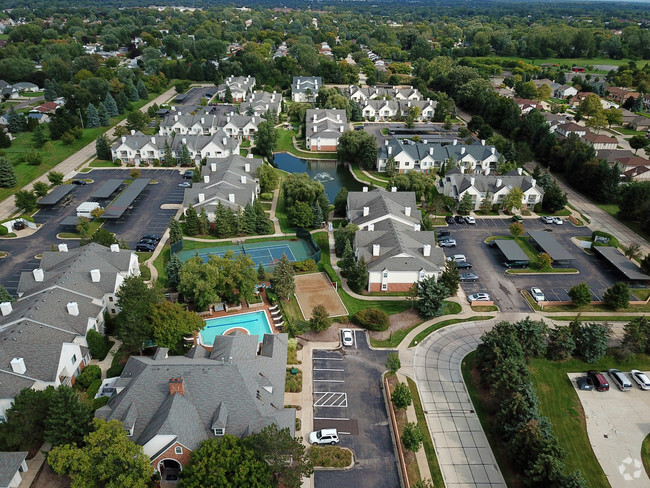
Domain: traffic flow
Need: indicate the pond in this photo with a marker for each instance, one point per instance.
(332, 175)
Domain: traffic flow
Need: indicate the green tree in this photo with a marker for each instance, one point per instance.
(266, 139)
(15, 121)
(401, 396)
(137, 120)
(268, 178)
(343, 235)
(283, 279)
(7, 174)
(466, 205)
(261, 272)
(320, 319)
(358, 276)
(554, 198)
(135, 300)
(168, 156)
(225, 462)
(49, 92)
(591, 342)
(111, 105)
(532, 335)
(191, 222)
(198, 282)
(143, 93)
(175, 233)
(5, 296)
(580, 294)
(92, 117)
(103, 148)
(4, 138)
(348, 262)
(614, 116)
(412, 437)
(55, 177)
(104, 117)
(450, 277)
(108, 458)
(393, 364)
(186, 157)
(25, 425)
(26, 200)
(41, 188)
(560, 343)
(391, 166)
(341, 201)
(170, 322)
(122, 102)
(516, 229)
(300, 214)
(637, 336)
(590, 105)
(544, 261)
(513, 200)
(39, 138)
(431, 297)
(358, 147)
(636, 142)
(69, 417)
(597, 121)
(172, 270)
(204, 222)
(633, 251)
(228, 95)
(617, 296)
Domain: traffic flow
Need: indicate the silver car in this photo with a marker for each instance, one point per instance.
(468, 277)
(347, 337)
(641, 379)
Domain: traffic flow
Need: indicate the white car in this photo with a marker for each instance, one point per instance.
(537, 294)
(457, 258)
(547, 220)
(641, 379)
(479, 297)
(558, 220)
(470, 220)
(324, 436)
(347, 337)
(447, 242)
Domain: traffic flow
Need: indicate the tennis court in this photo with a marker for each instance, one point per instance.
(315, 289)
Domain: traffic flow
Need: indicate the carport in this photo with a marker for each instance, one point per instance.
(622, 264)
(56, 195)
(512, 252)
(107, 189)
(545, 242)
(126, 198)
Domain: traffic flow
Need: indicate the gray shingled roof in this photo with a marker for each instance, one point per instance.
(11, 384)
(328, 122)
(438, 151)
(490, 183)
(9, 464)
(382, 204)
(213, 389)
(301, 84)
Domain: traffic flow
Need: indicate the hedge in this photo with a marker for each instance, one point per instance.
(371, 319)
(613, 241)
(88, 375)
(267, 197)
(93, 389)
(114, 370)
(100, 402)
(98, 344)
(3, 230)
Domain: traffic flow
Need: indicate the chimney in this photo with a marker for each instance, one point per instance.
(533, 182)
(206, 179)
(493, 150)
(462, 150)
(426, 250)
(160, 131)
(184, 140)
(202, 120)
(38, 274)
(338, 117)
(73, 308)
(375, 249)
(416, 227)
(431, 151)
(455, 142)
(390, 150)
(393, 189)
(487, 171)
(462, 169)
(407, 211)
(175, 118)
(6, 308)
(386, 142)
(243, 179)
(18, 365)
(95, 275)
(132, 132)
(314, 129)
(314, 117)
(247, 167)
(342, 129)
(228, 119)
(213, 167)
(177, 385)
(472, 180)
(153, 140)
(482, 142)
(115, 248)
(231, 197)
(520, 171)
(365, 189)
(63, 248)
(223, 141)
(123, 139)
(499, 182)
(201, 197)
(366, 211)
(371, 227)
(250, 155)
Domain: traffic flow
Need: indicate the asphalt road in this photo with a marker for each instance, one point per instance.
(505, 289)
(348, 396)
(194, 96)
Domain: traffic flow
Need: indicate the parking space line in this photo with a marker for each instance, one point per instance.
(331, 418)
(329, 359)
(327, 369)
(329, 381)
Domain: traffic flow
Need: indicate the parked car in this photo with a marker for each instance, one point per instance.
(598, 379)
(459, 219)
(641, 379)
(457, 257)
(558, 221)
(547, 220)
(517, 218)
(620, 380)
(450, 220)
(188, 175)
(142, 247)
(153, 237)
(443, 233)
(185, 184)
(585, 383)
(449, 242)
(516, 264)
(463, 265)
(470, 220)
(148, 241)
(19, 225)
(347, 338)
(479, 297)
(324, 436)
(468, 277)
(79, 182)
(537, 294)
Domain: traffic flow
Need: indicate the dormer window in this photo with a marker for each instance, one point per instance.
(129, 432)
(218, 432)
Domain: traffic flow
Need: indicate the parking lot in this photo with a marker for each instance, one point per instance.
(617, 423)
(505, 289)
(348, 396)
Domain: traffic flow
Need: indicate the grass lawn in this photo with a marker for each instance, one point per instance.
(560, 213)
(410, 462)
(359, 175)
(98, 163)
(613, 209)
(285, 144)
(571, 61)
(159, 263)
(293, 383)
(645, 454)
(31, 94)
(330, 456)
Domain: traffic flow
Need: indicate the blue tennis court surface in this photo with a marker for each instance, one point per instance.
(267, 256)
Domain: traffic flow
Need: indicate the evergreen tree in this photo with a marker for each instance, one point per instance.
(102, 113)
(5, 296)
(111, 105)
(283, 279)
(175, 233)
(318, 216)
(222, 222)
(15, 121)
(122, 102)
(261, 273)
(69, 418)
(143, 93)
(228, 95)
(263, 224)
(103, 148)
(133, 94)
(4, 138)
(7, 174)
(249, 219)
(191, 222)
(39, 138)
(358, 277)
(172, 270)
(204, 222)
(186, 157)
(92, 117)
(347, 261)
(168, 156)
(49, 92)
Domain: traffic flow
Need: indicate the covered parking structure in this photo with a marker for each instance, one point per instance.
(514, 255)
(107, 189)
(56, 195)
(126, 198)
(622, 264)
(545, 242)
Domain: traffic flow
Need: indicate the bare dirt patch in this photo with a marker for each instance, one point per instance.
(315, 289)
(47, 477)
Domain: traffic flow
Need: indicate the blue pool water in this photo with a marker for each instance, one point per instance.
(255, 323)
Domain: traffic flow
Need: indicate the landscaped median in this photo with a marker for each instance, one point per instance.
(540, 263)
(334, 457)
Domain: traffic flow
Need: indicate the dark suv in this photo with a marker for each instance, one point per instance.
(598, 379)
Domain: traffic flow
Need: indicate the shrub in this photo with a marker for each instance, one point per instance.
(3, 230)
(613, 241)
(266, 196)
(412, 437)
(88, 375)
(114, 370)
(93, 389)
(97, 344)
(401, 396)
(100, 402)
(371, 319)
(156, 162)
(117, 162)
(305, 266)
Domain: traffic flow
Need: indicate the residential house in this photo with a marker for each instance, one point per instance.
(171, 404)
(380, 109)
(7, 90)
(620, 95)
(260, 103)
(526, 105)
(282, 51)
(646, 102)
(26, 86)
(12, 464)
(640, 123)
(325, 49)
(324, 127)
(564, 91)
(359, 94)
(553, 120)
(240, 86)
(234, 125)
(612, 156)
(305, 88)
(635, 167)
(42, 118)
(628, 117)
(46, 108)
(427, 157)
(457, 184)
(545, 81)
(567, 128)
(43, 333)
(397, 253)
(230, 181)
(600, 141)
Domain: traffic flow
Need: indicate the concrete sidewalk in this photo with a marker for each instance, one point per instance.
(105, 363)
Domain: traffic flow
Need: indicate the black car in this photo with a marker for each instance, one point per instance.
(450, 220)
(19, 225)
(148, 241)
(188, 175)
(79, 182)
(152, 237)
(459, 219)
(443, 233)
(142, 247)
(463, 265)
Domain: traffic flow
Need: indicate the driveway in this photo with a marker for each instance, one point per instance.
(194, 96)
(348, 396)
(617, 423)
(464, 454)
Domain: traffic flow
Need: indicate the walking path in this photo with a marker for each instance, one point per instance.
(106, 363)
(34, 466)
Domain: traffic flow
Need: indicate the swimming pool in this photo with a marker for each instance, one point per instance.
(255, 323)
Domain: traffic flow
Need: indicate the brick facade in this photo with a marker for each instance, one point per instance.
(314, 147)
(170, 453)
(391, 286)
